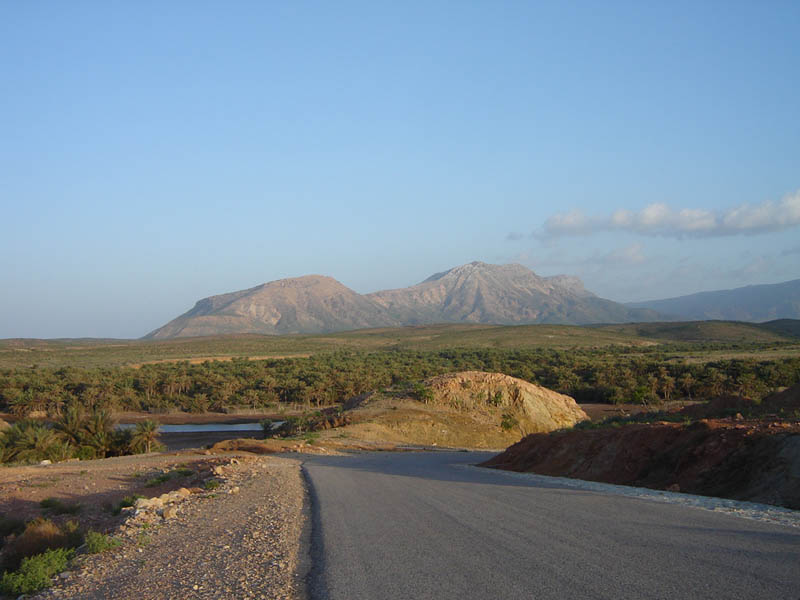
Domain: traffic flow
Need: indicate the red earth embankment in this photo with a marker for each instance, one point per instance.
(754, 461)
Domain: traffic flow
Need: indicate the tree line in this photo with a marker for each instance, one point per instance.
(589, 375)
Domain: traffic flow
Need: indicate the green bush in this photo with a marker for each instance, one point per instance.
(99, 542)
(36, 572)
(58, 507)
(211, 484)
(164, 477)
(39, 535)
(85, 453)
(508, 421)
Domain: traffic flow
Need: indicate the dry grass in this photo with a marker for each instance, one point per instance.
(39, 535)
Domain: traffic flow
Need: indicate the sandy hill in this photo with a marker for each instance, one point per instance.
(471, 409)
(473, 293)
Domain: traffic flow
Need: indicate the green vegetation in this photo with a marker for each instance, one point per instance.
(169, 475)
(124, 503)
(27, 353)
(611, 374)
(58, 507)
(35, 572)
(613, 364)
(98, 542)
(211, 484)
(144, 438)
(266, 427)
(75, 433)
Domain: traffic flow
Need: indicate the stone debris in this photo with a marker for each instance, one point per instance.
(238, 540)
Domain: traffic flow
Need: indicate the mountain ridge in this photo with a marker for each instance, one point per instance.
(473, 293)
(753, 303)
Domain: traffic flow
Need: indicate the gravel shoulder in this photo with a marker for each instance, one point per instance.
(240, 541)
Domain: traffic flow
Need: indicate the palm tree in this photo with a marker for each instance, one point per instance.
(71, 424)
(32, 441)
(144, 436)
(99, 432)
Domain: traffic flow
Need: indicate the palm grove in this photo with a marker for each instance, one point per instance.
(79, 402)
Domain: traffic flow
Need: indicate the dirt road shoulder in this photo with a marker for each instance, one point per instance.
(240, 541)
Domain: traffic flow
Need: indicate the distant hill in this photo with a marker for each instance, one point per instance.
(708, 331)
(755, 303)
(787, 327)
(310, 304)
(473, 293)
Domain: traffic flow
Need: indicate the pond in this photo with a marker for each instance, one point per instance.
(203, 427)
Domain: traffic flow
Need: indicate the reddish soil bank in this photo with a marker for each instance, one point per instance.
(751, 460)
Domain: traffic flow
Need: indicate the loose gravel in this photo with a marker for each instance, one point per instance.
(240, 541)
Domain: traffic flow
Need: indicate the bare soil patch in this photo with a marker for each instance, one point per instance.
(744, 460)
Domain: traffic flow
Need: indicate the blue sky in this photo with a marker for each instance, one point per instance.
(155, 153)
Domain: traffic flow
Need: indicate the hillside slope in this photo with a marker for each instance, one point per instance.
(752, 303)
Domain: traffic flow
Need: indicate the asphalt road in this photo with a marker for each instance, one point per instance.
(421, 525)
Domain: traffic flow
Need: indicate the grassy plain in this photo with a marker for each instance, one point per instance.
(741, 340)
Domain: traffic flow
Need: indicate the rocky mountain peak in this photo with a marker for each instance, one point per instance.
(476, 292)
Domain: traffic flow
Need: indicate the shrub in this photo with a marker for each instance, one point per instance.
(266, 427)
(58, 507)
(36, 572)
(99, 542)
(164, 477)
(125, 502)
(508, 421)
(9, 525)
(211, 484)
(72, 530)
(85, 453)
(39, 536)
(422, 392)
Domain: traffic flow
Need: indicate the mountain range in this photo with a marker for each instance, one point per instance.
(472, 293)
(755, 303)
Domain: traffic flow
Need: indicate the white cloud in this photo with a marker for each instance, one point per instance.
(662, 220)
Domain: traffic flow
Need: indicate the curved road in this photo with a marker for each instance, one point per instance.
(424, 526)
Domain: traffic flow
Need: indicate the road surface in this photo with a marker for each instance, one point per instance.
(425, 526)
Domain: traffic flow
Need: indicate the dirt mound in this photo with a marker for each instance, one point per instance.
(785, 402)
(268, 446)
(781, 404)
(759, 462)
(536, 409)
(721, 407)
(471, 409)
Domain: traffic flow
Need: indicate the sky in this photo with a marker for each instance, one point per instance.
(155, 153)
